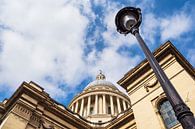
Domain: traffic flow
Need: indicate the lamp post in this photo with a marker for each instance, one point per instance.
(127, 21)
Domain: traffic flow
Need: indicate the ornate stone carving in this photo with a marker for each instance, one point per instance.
(44, 125)
(150, 84)
(34, 120)
(22, 111)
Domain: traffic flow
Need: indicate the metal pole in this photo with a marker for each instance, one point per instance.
(182, 111)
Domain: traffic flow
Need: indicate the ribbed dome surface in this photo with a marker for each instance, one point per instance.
(101, 83)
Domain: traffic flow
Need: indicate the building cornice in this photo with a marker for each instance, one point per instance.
(37, 93)
(160, 53)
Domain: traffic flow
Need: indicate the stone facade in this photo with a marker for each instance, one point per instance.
(32, 108)
(101, 105)
(146, 93)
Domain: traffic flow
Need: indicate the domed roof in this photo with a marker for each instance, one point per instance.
(101, 81)
(100, 102)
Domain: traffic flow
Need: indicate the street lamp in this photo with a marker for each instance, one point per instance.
(127, 21)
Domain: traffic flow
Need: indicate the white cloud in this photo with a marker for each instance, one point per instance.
(100, 2)
(173, 27)
(49, 41)
(111, 36)
(113, 64)
(150, 27)
(42, 41)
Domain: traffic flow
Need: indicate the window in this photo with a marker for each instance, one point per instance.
(167, 113)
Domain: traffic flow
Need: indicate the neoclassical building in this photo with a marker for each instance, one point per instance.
(101, 105)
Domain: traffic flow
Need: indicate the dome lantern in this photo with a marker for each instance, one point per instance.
(100, 76)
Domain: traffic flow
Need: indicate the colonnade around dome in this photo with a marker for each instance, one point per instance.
(99, 104)
(100, 101)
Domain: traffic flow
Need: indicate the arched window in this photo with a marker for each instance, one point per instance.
(167, 113)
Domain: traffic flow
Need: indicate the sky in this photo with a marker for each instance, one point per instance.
(62, 44)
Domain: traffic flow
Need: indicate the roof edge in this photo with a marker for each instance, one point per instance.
(143, 66)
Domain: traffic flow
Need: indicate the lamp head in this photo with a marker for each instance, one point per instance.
(127, 19)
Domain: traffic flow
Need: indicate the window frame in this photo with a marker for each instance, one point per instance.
(160, 102)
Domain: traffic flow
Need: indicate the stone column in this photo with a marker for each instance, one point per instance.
(100, 102)
(72, 107)
(124, 105)
(104, 104)
(88, 105)
(81, 109)
(84, 111)
(76, 107)
(128, 105)
(118, 104)
(96, 104)
(111, 105)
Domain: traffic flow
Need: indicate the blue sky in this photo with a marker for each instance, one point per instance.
(61, 45)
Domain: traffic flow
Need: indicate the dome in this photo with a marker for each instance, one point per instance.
(100, 101)
(101, 81)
